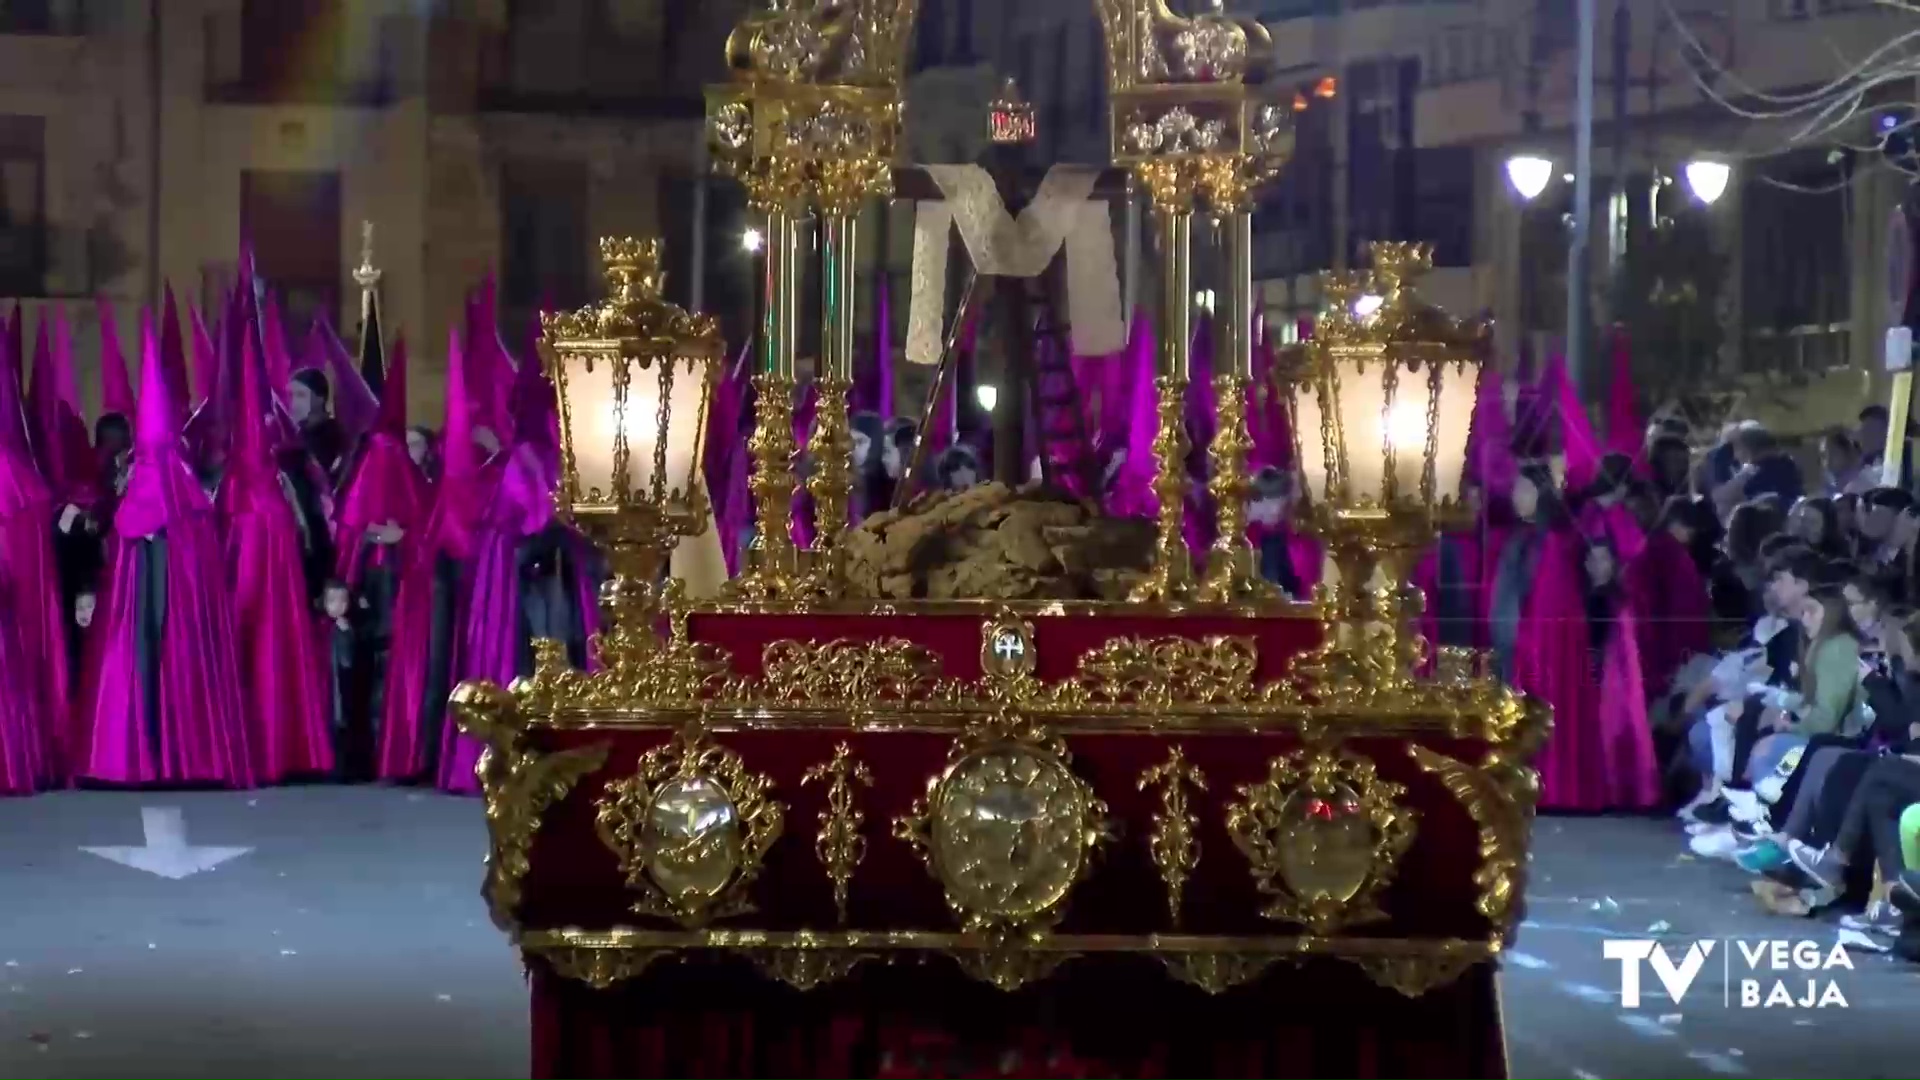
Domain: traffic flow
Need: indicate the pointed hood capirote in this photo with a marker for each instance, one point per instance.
(21, 486)
(160, 485)
(59, 431)
(173, 352)
(33, 669)
(353, 401)
(459, 497)
(281, 687)
(116, 388)
(386, 487)
(162, 702)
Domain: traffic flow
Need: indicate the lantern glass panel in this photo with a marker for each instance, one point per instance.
(610, 401)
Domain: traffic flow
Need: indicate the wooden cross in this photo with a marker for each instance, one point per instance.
(1014, 298)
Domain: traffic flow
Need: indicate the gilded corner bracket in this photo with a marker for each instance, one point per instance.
(519, 785)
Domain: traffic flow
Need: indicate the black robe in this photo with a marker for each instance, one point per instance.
(1454, 599)
(150, 622)
(441, 638)
(557, 568)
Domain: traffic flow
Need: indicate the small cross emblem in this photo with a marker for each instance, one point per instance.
(1009, 647)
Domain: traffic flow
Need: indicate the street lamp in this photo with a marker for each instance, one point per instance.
(1529, 174)
(1708, 180)
(752, 240)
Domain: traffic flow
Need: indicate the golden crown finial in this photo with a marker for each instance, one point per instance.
(633, 267)
(635, 318)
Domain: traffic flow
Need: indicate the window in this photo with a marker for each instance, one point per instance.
(292, 48)
(543, 237)
(292, 219)
(42, 17)
(23, 205)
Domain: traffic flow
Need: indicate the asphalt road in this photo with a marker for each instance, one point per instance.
(350, 942)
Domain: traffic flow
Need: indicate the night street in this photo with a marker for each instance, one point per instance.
(350, 942)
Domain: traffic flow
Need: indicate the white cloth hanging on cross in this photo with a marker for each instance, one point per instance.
(1063, 213)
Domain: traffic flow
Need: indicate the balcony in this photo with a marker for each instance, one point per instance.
(600, 77)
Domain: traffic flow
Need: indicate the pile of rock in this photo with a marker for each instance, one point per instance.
(992, 542)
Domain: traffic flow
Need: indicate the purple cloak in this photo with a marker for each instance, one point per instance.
(162, 702)
(283, 688)
(33, 650)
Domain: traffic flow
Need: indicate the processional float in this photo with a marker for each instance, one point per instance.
(1204, 830)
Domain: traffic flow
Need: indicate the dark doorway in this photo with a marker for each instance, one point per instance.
(292, 219)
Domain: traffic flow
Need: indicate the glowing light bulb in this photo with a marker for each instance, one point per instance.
(1708, 180)
(988, 396)
(1407, 427)
(1529, 175)
(1366, 306)
(752, 241)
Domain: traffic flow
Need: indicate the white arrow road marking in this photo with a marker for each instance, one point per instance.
(166, 851)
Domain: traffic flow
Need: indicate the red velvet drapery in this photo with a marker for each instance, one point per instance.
(1108, 1018)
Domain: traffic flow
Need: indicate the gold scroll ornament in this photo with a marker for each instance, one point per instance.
(1175, 848)
(838, 844)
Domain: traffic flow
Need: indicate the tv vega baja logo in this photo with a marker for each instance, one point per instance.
(1771, 974)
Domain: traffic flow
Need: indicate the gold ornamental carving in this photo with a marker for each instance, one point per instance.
(810, 961)
(690, 828)
(1008, 968)
(1415, 974)
(806, 959)
(1007, 828)
(1323, 835)
(839, 845)
(600, 968)
(846, 672)
(1168, 671)
(1218, 972)
(519, 784)
(1172, 843)
(1165, 683)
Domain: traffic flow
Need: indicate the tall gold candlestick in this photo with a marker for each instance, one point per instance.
(1172, 575)
(774, 573)
(1233, 571)
(831, 445)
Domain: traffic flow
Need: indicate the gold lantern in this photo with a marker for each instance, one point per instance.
(1382, 402)
(634, 375)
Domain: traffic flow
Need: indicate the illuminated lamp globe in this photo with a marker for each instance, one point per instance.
(1708, 180)
(1529, 175)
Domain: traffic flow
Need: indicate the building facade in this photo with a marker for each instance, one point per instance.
(141, 142)
(1415, 106)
